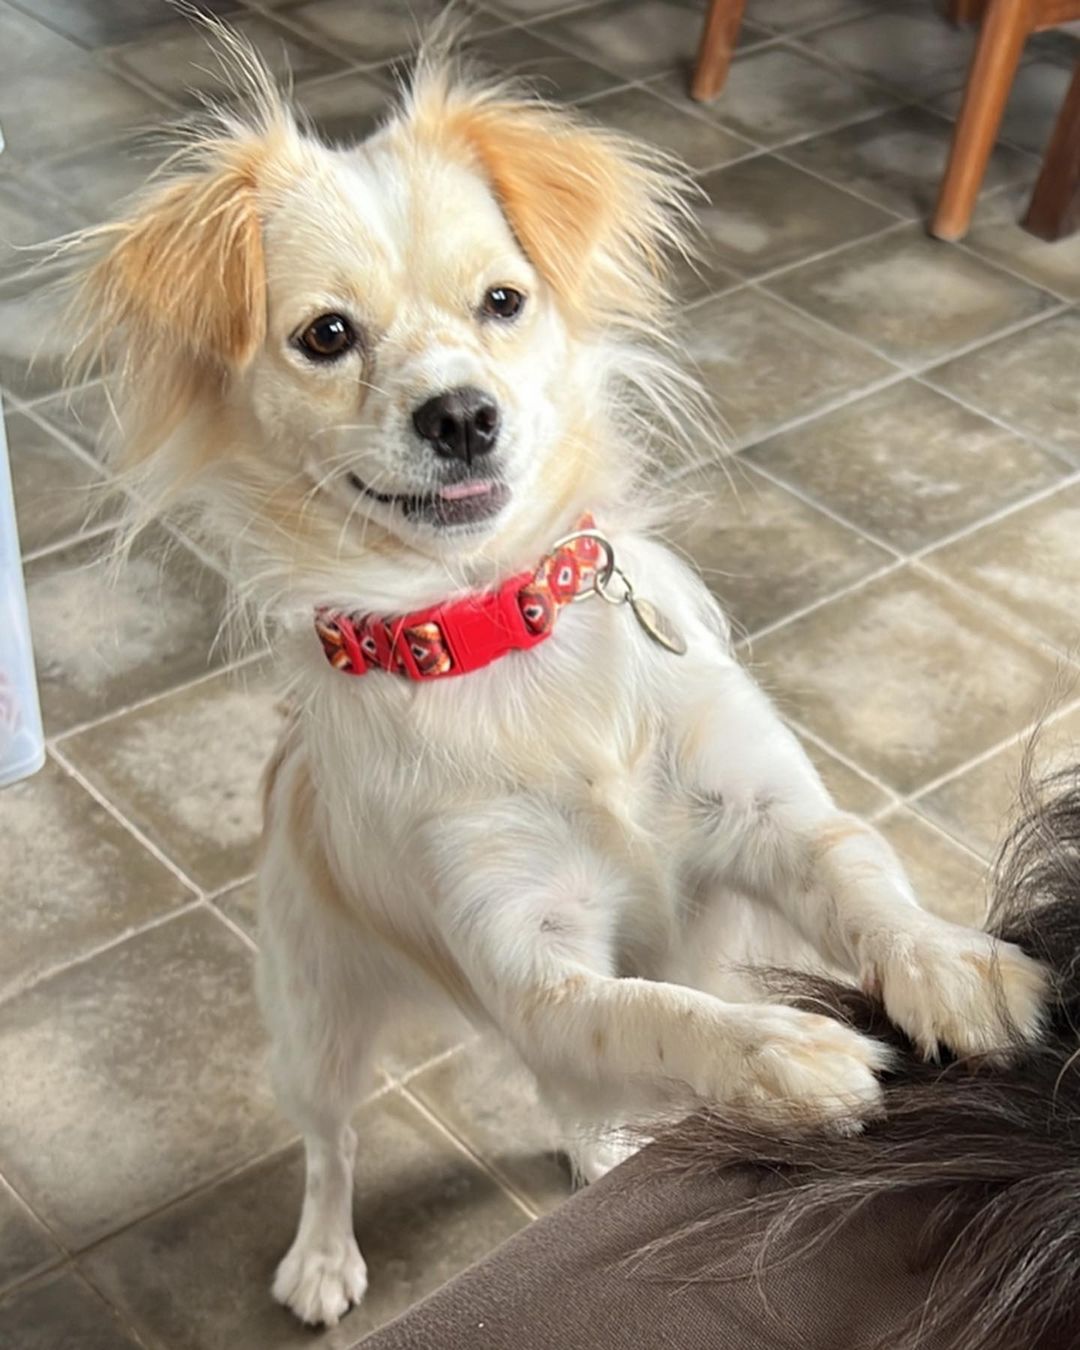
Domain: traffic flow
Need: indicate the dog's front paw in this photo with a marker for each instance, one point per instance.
(590, 1159)
(814, 1067)
(321, 1284)
(954, 987)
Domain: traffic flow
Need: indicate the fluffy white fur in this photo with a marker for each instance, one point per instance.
(549, 843)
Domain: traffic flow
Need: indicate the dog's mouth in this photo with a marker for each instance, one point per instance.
(465, 503)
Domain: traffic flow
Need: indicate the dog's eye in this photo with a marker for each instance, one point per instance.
(503, 302)
(326, 337)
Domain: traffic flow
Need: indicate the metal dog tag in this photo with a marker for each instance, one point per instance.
(657, 626)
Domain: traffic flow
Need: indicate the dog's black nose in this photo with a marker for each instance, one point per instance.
(460, 424)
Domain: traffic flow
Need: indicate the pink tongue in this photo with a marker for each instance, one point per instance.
(456, 491)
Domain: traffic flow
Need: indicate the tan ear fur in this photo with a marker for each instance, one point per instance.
(596, 212)
(187, 269)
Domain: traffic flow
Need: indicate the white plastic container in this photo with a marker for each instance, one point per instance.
(22, 745)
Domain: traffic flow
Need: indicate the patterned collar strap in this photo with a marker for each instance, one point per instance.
(459, 636)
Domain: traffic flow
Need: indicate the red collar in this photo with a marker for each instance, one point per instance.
(462, 635)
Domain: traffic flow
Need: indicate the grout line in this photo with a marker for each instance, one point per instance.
(746, 645)
(950, 836)
(50, 1263)
(895, 800)
(822, 410)
(61, 759)
(833, 250)
(464, 1146)
(63, 435)
(914, 798)
(924, 554)
(471, 1037)
(137, 705)
(31, 402)
(215, 895)
(992, 261)
(1016, 627)
(926, 378)
(91, 953)
(245, 938)
(181, 1197)
(822, 508)
(82, 536)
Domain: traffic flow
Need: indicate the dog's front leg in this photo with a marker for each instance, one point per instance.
(322, 999)
(765, 824)
(531, 913)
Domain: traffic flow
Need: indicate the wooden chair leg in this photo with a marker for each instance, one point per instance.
(1001, 42)
(965, 11)
(1054, 211)
(718, 39)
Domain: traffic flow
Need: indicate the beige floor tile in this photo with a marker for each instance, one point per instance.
(345, 108)
(96, 25)
(57, 494)
(997, 235)
(700, 277)
(97, 180)
(28, 216)
(522, 10)
(764, 214)
(489, 1099)
(186, 770)
(947, 879)
(43, 110)
(909, 297)
(635, 38)
(239, 904)
(197, 1276)
(765, 365)
(1027, 566)
(764, 553)
(28, 44)
(778, 94)
(382, 29)
(181, 66)
(908, 465)
(25, 1246)
(897, 160)
(909, 48)
(851, 790)
(138, 1074)
(61, 1313)
(679, 130)
(76, 880)
(905, 678)
(85, 415)
(981, 805)
(107, 636)
(553, 71)
(785, 17)
(34, 340)
(1028, 379)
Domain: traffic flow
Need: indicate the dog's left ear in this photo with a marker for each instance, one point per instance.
(596, 213)
(185, 272)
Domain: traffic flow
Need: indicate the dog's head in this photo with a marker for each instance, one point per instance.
(401, 348)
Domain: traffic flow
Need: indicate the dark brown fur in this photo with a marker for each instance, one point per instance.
(988, 1151)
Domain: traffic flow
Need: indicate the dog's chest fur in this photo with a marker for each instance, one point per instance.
(579, 726)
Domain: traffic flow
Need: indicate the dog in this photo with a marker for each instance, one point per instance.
(410, 387)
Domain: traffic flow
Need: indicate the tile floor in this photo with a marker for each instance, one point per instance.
(897, 536)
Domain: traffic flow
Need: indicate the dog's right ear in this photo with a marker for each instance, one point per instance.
(184, 275)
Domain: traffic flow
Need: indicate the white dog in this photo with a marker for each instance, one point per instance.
(403, 382)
